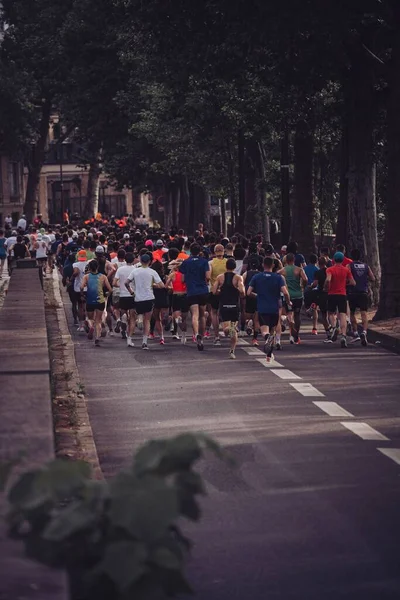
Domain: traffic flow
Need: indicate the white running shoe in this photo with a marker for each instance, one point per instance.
(291, 339)
(129, 342)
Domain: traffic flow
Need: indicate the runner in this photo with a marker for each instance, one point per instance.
(41, 253)
(144, 279)
(161, 304)
(217, 268)
(95, 283)
(251, 303)
(3, 252)
(79, 270)
(126, 301)
(267, 287)
(321, 295)
(337, 278)
(310, 293)
(229, 288)
(295, 280)
(180, 306)
(358, 295)
(196, 275)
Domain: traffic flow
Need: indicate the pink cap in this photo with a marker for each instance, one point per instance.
(148, 243)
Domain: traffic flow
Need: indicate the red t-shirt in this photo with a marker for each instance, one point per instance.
(339, 278)
(346, 261)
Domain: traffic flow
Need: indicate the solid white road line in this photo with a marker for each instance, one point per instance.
(284, 373)
(333, 409)
(242, 342)
(253, 351)
(306, 389)
(393, 453)
(271, 365)
(364, 431)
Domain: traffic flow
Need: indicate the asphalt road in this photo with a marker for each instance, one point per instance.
(312, 509)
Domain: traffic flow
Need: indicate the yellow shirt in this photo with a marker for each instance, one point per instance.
(218, 266)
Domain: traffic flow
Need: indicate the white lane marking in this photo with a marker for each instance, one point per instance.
(364, 431)
(242, 342)
(284, 373)
(271, 365)
(333, 409)
(253, 351)
(306, 389)
(393, 453)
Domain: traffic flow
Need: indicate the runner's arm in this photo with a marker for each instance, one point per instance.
(107, 283)
(240, 286)
(285, 292)
(84, 282)
(216, 286)
(327, 283)
(251, 293)
(303, 276)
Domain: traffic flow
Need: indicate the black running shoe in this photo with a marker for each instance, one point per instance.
(343, 342)
(199, 340)
(364, 341)
(335, 335)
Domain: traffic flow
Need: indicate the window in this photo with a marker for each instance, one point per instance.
(13, 177)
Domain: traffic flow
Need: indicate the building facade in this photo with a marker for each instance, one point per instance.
(12, 188)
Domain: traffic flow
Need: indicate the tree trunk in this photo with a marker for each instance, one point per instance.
(389, 305)
(341, 225)
(263, 205)
(242, 184)
(183, 220)
(93, 187)
(223, 217)
(137, 207)
(252, 222)
(192, 209)
(202, 206)
(302, 230)
(35, 163)
(362, 219)
(285, 187)
(175, 200)
(232, 189)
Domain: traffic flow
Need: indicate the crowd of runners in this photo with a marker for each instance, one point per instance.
(122, 278)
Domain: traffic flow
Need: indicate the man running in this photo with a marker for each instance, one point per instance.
(296, 279)
(95, 283)
(196, 275)
(180, 307)
(126, 301)
(229, 288)
(337, 278)
(267, 287)
(217, 268)
(78, 273)
(144, 279)
(358, 295)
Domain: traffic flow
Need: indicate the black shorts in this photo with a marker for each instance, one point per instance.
(161, 298)
(93, 307)
(337, 302)
(297, 304)
(200, 299)
(310, 297)
(322, 301)
(126, 302)
(213, 300)
(77, 297)
(145, 306)
(180, 303)
(268, 320)
(251, 305)
(358, 300)
(229, 313)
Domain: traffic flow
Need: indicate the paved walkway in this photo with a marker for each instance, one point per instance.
(312, 509)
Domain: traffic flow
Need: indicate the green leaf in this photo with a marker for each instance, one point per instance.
(5, 472)
(124, 563)
(30, 491)
(67, 477)
(144, 507)
(149, 456)
(192, 482)
(68, 521)
(166, 558)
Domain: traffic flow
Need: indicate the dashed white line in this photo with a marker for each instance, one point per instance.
(284, 373)
(242, 342)
(393, 453)
(271, 365)
(333, 409)
(364, 431)
(306, 389)
(253, 351)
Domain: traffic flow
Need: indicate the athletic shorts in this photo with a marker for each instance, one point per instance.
(337, 302)
(310, 297)
(180, 302)
(77, 297)
(251, 305)
(228, 313)
(145, 306)
(93, 307)
(322, 301)
(200, 299)
(358, 300)
(268, 320)
(297, 304)
(161, 298)
(213, 300)
(126, 302)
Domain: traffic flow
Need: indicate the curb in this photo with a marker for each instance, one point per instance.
(84, 429)
(384, 340)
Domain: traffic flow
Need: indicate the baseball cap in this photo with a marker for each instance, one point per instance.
(284, 248)
(99, 250)
(338, 257)
(148, 243)
(81, 256)
(145, 258)
(74, 235)
(126, 236)
(269, 249)
(159, 243)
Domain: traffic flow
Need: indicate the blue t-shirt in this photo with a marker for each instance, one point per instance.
(194, 269)
(310, 271)
(360, 271)
(267, 286)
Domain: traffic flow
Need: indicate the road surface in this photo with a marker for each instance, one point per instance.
(312, 509)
